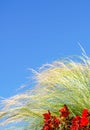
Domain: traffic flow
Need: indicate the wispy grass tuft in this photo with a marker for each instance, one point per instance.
(62, 82)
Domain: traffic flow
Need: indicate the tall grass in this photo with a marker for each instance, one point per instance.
(62, 82)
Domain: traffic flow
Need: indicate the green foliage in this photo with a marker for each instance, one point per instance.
(59, 83)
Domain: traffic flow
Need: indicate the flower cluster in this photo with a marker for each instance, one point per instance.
(66, 122)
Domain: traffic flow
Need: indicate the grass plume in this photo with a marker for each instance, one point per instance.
(62, 82)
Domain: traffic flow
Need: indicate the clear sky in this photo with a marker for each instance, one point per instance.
(34, 32)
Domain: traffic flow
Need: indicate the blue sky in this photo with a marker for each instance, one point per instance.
(34, 32)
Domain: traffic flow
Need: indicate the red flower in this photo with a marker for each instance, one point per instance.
(47, 121)
(47, 116)
(76, 127)
(56, 122)
(85, 113)
(75, 123)
(67, 122)
(46, 127)
(64, 111)
(84, 122)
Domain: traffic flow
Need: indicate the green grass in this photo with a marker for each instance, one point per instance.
(62, 82)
